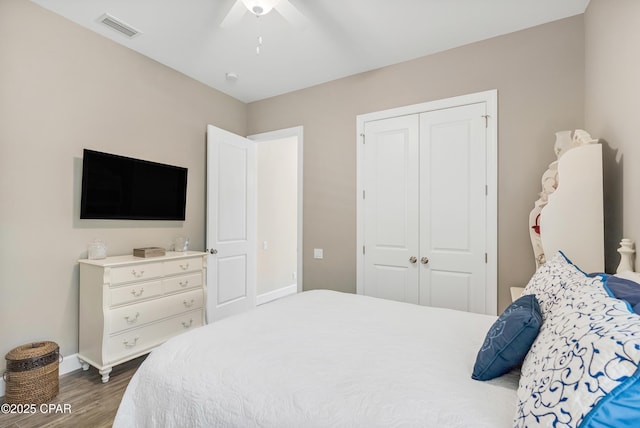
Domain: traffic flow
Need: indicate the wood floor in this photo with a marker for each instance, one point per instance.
(92, 403)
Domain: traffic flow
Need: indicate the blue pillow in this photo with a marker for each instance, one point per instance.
(619, 408)
(508, 339)
(623, 289)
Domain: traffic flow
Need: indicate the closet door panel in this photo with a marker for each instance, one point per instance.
(453, 208)
(391, 208)
(447, 175)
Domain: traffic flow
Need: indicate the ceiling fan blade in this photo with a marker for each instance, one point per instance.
(234, 15)
(291, 13)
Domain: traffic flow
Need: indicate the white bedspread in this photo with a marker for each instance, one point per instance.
(323, 359)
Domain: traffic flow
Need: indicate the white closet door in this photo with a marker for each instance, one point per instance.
(391, 208)
(453, 208)
(231, 224)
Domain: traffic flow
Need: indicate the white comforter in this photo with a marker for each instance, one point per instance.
(322, 359)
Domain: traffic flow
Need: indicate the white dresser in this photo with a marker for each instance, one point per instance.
(129, 305)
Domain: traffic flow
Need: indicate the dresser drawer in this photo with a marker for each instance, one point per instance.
(135, 292)
(183, 282)
(151, 335)
(131, 316)
(141, 272)
(174, 267)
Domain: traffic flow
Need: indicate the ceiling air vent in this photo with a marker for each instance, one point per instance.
(119, 26)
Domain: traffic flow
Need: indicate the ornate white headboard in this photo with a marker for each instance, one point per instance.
(568, 215)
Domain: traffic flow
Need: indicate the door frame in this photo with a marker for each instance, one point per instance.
(298, 132)
(491, 99)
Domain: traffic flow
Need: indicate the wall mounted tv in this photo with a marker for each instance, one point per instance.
(123, 188)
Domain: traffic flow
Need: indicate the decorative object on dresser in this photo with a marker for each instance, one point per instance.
(97, 250)
(130, 305)
(181, 244)
(149, 252)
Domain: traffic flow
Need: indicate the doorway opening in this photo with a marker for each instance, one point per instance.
(279, 214)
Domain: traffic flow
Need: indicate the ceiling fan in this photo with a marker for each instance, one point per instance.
(262, 7)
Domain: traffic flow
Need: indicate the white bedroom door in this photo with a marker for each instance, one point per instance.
(231, 224)
(424, 204)
(391, 208)
(453, 208)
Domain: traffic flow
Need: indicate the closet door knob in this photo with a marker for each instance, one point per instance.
(424, 260)
(413, 259)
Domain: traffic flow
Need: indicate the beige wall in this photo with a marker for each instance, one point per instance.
(612, 105)
(539, 75)
(277, 212)
(64, 88)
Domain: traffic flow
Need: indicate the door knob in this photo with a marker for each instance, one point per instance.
(424, 260)
(413, 259)
(213, 251)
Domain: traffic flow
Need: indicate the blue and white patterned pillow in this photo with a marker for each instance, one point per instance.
(552, 280)
(582, 369)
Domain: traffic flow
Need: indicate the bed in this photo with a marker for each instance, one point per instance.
(564, 354)
(320, 359)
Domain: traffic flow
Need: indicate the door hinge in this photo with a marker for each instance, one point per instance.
(486, 190)
(363, 194)
(486, 120)
(362, 135)
(486, 258)
(363, 251)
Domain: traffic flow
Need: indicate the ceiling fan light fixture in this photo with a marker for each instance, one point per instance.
(260, 7)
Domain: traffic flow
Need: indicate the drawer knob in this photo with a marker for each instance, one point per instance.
(131, 320)
(137, 293)
(130, 345)
(187, 324)
(184, 267)
(136, 273)
(189, 303)
(184, 283)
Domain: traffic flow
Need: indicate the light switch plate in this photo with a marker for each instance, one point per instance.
(318, 253)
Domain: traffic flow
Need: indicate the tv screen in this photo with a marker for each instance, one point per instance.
(119, 187)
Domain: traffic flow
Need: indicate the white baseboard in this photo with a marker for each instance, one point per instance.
(263, 298)
(68, 365)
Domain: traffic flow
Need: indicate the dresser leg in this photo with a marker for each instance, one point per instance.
(84, 364)
(105, 374)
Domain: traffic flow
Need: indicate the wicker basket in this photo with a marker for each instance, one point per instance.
(32, 373)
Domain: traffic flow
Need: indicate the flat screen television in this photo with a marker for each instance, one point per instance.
(123, 188)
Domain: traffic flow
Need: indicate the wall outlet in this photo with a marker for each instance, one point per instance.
(318, 253)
